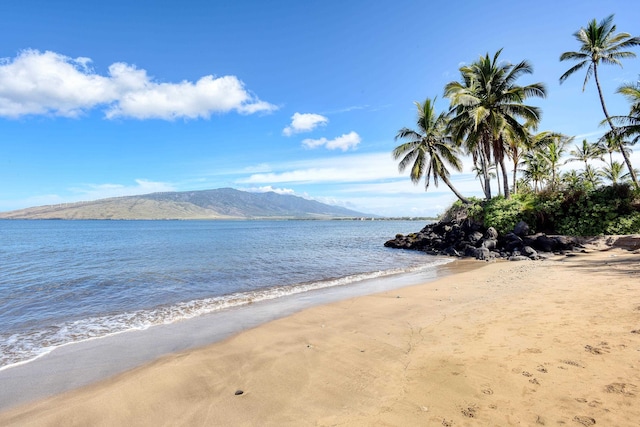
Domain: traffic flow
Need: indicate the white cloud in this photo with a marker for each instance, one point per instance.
(37, 83)
(347, 168)
(268, 189)
(103, 191)
(304, 123)
(343, 142)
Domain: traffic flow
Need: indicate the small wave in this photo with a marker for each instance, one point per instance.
(21, 348)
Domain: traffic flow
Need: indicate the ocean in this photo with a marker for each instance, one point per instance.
(64, 282)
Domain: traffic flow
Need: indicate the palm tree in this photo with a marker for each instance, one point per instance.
(608, 143)
(629, 125)
(551, 146)
(600, 43)
(536, 169)
(428, 149)
(591, 176)
(477, 168)
(572, 180)
(585, 153)
(486, 107)
(553, 153)
(613, 172)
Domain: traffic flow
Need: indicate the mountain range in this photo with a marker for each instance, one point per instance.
(222, 203)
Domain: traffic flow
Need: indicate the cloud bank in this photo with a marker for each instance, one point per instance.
(304, 123)
(48, 83)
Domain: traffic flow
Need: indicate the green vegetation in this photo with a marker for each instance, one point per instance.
(489, 120)
(613, 209)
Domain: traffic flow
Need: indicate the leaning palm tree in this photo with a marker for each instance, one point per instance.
(599, 43)
(488, 110)
(428, 149)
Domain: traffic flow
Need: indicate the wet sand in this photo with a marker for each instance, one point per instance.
(553, 342)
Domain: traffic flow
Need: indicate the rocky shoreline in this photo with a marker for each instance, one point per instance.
(467, 238)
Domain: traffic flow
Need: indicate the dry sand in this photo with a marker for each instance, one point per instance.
(553, 342)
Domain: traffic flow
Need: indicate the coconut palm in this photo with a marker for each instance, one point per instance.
(536, 169)
(572, 180)
(486, 107)
(585, 153)
(428, 149)
(553, 153)
(629, 126)
(599, 43)
(477, 169)
(608, 143)
(592, 176)
(551, 146)
(613, 172)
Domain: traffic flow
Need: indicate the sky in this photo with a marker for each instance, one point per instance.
(115, 98)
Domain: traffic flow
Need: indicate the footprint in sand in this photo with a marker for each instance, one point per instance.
(469, 412)
(541, 369)
(604, 348)
(585, 421)
(621, 388)
(572, 363)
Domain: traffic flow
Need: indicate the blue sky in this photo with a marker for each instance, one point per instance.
(101, 99)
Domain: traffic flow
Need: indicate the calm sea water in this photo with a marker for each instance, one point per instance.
(68, 281)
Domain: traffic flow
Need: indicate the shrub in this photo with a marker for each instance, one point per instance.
(613, 209)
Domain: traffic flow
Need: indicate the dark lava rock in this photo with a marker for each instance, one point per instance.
(470, 239)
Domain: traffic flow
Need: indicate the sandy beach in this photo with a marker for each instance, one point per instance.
(554, 342)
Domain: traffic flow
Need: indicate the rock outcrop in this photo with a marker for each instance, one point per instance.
(469, 239)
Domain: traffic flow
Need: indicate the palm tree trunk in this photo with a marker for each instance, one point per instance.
(485, 169)
(505, 179)
(515, 171)
(458, 195)
(484, 164)
(498, 179)
(634, 178)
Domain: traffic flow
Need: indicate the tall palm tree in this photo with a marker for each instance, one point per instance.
(486, 107)
(600, 43)
(585, 153)
(428, 149)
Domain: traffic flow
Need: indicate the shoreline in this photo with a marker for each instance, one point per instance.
(99, 358)
(541, 342)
